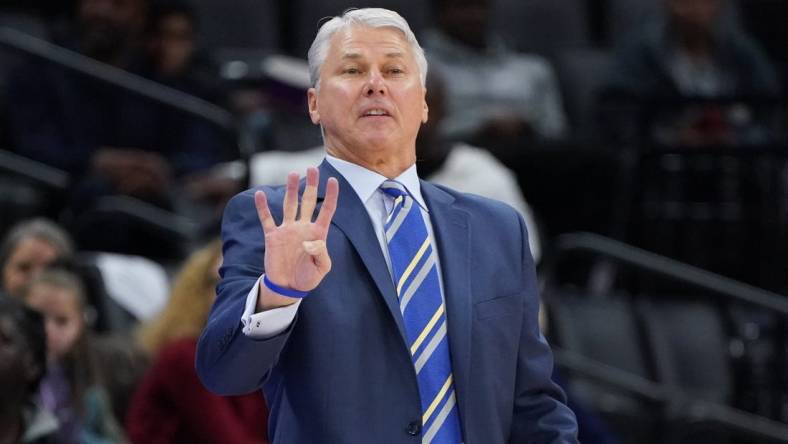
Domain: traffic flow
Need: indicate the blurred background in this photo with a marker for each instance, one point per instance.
(644, 141)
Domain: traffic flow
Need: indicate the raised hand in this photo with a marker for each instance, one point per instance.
(296, 256)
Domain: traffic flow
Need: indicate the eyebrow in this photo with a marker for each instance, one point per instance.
(356, 55)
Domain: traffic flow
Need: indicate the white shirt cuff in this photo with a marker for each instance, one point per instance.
(269, 323)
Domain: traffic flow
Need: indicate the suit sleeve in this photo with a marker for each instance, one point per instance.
(540, 411)
(228, 361)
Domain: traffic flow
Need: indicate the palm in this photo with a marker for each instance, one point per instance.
(286, 258)
(295, 254)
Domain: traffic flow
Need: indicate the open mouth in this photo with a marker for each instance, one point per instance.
(375, 112)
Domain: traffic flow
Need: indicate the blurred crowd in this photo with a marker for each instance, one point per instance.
(91, 355)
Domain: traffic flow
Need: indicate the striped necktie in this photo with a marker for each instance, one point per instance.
(423, 312)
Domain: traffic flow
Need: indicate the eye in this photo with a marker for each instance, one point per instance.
(351, 71)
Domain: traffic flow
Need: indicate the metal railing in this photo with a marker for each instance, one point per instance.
(42, 49)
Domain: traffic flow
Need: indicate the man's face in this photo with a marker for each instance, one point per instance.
(30, 256)
(62, 316)
(369, 97)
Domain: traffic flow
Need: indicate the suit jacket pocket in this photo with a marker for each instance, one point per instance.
(500, 306)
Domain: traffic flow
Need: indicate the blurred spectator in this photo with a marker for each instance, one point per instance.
(171, 405)
(122, 142)
(72, 387)
(694, 51)
(22, 364)
(464, 167)
(28, 248)
(173, 58)
(496, 96)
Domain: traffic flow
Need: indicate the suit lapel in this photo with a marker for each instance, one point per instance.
(450, 226)
(349, 218)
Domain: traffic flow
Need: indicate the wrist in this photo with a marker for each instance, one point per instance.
(283, 291)
(268, 300)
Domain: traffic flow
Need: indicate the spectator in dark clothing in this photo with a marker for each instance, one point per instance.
(113, 141)
(498, 98)
(172, 55)
(84, 126)
(174, 59)
(22, 365)
(694, 51)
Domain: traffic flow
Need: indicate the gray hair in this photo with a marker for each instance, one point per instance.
(369, 17)
(38, 228)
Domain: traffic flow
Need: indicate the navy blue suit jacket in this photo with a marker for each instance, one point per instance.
(342, 372)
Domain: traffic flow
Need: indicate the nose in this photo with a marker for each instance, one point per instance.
(376, 84)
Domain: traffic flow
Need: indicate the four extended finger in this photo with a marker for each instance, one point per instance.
(329, 206)
(263, 213)
(309, 198)
(290, 204)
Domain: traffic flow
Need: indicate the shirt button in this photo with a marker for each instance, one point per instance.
(414, 428)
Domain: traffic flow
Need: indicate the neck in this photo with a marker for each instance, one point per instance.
(383, 163)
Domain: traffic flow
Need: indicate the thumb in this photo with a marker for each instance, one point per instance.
(319, 252)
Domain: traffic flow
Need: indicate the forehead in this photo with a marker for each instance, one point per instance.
(34, 245)
(52, 298)
(363, 41)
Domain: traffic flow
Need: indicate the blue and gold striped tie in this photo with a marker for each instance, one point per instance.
(423, 312)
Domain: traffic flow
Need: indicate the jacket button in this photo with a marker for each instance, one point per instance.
(414, 428)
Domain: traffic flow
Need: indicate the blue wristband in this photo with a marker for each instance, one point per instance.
(289, 292)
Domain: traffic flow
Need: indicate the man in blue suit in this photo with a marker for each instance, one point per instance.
(321, 311)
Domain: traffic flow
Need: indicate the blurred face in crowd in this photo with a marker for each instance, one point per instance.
(63, 316)
(173, 43)
(464, 20)
(30, 256)
(369, 99)
(694, 16)
(107, 25)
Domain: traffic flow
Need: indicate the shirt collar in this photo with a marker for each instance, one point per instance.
(366, 182)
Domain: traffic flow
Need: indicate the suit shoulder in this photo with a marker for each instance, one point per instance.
(242, 199)
(480, 205)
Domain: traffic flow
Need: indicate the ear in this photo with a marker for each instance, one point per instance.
(425, 111)
(311, 96)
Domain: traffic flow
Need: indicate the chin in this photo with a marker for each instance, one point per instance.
(381, 143)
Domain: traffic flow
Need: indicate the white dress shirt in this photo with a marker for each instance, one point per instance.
(366, 184)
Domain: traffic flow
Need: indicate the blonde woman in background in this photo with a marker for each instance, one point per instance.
(171, 405)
